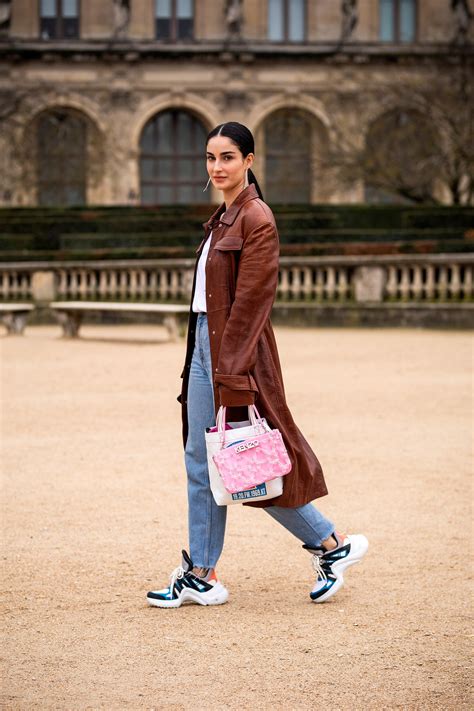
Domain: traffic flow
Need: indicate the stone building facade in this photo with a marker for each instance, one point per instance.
(109, 102)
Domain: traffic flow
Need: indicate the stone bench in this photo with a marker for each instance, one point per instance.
(14, 316)
(71, 313)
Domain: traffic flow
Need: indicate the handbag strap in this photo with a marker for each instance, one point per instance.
(253, 414)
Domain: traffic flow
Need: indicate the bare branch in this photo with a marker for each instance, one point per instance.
(423, 139)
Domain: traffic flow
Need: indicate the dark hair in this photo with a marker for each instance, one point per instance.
(243, 139)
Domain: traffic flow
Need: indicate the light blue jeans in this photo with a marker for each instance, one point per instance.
(206, 519)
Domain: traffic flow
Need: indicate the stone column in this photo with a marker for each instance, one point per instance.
(367, 29)
(142, 20)
(209, 20)
(255, 20)
(97, 19)
(24, 21)
(122, 159)
(325, 21)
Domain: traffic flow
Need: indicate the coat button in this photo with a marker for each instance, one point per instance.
(210, 295)
(213, 333)
(217, 369)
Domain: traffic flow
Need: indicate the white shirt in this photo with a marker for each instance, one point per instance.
(199, 301)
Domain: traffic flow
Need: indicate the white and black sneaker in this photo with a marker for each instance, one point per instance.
(330, 565)
(186, 586)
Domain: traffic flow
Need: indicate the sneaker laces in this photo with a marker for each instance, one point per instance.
(318, 568)
(177, 573)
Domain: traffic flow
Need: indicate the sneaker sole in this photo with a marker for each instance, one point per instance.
(359, 547)
(217, 596)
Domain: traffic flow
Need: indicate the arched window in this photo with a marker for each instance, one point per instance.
(172, 159)
(400, 162)
(61, 158)
(288, 150)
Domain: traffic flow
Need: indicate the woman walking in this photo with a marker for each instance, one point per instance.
(232, 360)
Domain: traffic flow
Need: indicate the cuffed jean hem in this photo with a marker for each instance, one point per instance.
(304, 522)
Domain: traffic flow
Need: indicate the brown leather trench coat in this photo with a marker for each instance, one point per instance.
(241, 282)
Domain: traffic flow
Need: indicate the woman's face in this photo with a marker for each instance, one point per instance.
(226, 165)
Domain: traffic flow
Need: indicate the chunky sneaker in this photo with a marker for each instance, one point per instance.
(330, 565)
(185, 586)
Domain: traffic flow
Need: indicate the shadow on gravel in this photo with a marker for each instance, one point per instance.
(122, 341)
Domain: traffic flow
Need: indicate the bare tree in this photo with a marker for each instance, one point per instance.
(12, 159)
(420, 149)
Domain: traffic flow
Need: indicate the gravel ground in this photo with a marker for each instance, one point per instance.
(94, 515)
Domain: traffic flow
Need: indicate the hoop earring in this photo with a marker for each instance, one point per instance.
(207, 185)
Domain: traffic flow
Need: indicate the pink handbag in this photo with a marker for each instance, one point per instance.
(246, 463)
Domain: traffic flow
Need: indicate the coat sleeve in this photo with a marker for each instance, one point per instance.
(254, 295)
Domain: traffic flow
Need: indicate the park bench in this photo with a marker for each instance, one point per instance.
(14, 316)
(71, 313)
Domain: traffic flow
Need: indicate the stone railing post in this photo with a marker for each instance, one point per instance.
(44, 286)
(369, 283)
(188, 282)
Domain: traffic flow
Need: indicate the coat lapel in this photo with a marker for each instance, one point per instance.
(249, 193)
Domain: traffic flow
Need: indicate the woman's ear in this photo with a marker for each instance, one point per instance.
(249, 160)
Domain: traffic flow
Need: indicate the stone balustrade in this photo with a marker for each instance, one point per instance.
(437, 278)
(434, 278)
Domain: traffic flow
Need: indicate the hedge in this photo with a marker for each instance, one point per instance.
(102, 232)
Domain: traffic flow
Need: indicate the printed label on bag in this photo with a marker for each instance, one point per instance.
(260, 490)
(249, 444)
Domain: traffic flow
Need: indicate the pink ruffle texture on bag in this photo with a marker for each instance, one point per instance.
(253, 461)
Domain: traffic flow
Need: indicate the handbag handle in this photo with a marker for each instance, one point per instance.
(253, 413)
